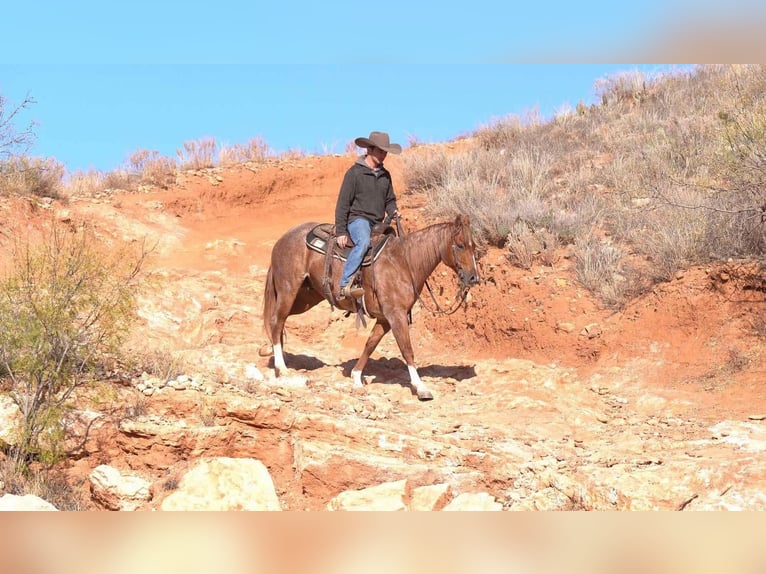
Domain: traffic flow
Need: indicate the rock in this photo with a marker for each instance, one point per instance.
(115, 491)
(387, 496)
(27, 502)
(11, 420)
(225, 484)
(591, 330)
(566, 327)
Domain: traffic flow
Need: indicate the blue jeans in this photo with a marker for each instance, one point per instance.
(359, 231)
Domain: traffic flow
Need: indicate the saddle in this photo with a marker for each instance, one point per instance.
(322, 235)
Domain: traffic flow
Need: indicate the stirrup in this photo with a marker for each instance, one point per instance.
(351, 292)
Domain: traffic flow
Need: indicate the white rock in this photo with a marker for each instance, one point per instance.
(28, 502)
(11, 420)
(387, 496)
(116, 491)
(225, 484)
(252, 373)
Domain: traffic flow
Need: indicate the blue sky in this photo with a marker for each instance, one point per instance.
(94, 116)
(109, 78)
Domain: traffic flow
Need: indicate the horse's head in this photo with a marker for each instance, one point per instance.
(462, 257)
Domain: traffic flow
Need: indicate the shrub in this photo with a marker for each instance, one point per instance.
(160, 363)
(256, 150)
(153, 168)
(85, 183)
(65, 305)
(198, 154)
(599, 269)
(28, 176)
(526, 245)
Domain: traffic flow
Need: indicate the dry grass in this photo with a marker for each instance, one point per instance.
(254, 151)
(159, 363)
(48, 484)
(198, 154)
(152, 168)
(31, 177)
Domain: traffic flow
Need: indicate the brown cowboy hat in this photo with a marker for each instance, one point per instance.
(378, 139)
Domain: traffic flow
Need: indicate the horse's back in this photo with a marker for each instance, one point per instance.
(292, 242)
(290, 254)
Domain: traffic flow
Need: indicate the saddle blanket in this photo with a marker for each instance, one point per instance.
(323, 233)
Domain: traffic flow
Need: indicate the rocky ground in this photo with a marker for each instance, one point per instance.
(543, 399)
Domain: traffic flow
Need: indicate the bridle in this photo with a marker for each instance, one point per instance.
(462, 291)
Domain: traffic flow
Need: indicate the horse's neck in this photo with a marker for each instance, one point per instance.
(424, 251)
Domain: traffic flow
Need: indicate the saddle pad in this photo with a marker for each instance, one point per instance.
(318, 238)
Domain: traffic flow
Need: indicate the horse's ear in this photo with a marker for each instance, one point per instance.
(463, 221)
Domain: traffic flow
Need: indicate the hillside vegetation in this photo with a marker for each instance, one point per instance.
(663, 173)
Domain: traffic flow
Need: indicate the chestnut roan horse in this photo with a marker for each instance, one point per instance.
(392, 284)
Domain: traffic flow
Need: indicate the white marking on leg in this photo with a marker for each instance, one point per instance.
(279, 358)
(357, 378)
(415, 380)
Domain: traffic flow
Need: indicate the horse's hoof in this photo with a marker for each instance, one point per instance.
(266, 351)
(425, 395)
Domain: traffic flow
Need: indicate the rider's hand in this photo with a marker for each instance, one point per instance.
(341, 240)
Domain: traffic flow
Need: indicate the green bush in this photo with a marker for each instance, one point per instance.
(65, 305)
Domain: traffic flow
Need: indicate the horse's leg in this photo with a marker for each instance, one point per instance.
(284, 302)
(380, 328)
(402, 334)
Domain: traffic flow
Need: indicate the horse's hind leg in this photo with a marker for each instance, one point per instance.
(285, 298)
(378, 330)
(402, 335)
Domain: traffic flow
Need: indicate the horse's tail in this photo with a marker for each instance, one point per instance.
(269, 304)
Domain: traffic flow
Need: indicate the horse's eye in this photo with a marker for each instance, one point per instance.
(460, 246)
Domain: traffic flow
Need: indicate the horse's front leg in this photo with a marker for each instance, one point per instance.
(402, 335)
(380, 328)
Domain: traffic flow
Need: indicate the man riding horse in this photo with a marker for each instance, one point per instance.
(300, 274)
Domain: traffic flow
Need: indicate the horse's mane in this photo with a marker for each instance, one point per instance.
(423, 249)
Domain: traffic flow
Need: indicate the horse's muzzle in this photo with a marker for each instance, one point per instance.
(468, 278)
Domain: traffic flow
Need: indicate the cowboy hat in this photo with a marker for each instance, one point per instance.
(378, 139)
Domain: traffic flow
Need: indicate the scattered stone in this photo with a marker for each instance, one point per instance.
(591, 330)
(566, 327)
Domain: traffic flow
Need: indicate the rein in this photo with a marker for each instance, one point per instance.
(460, 296)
